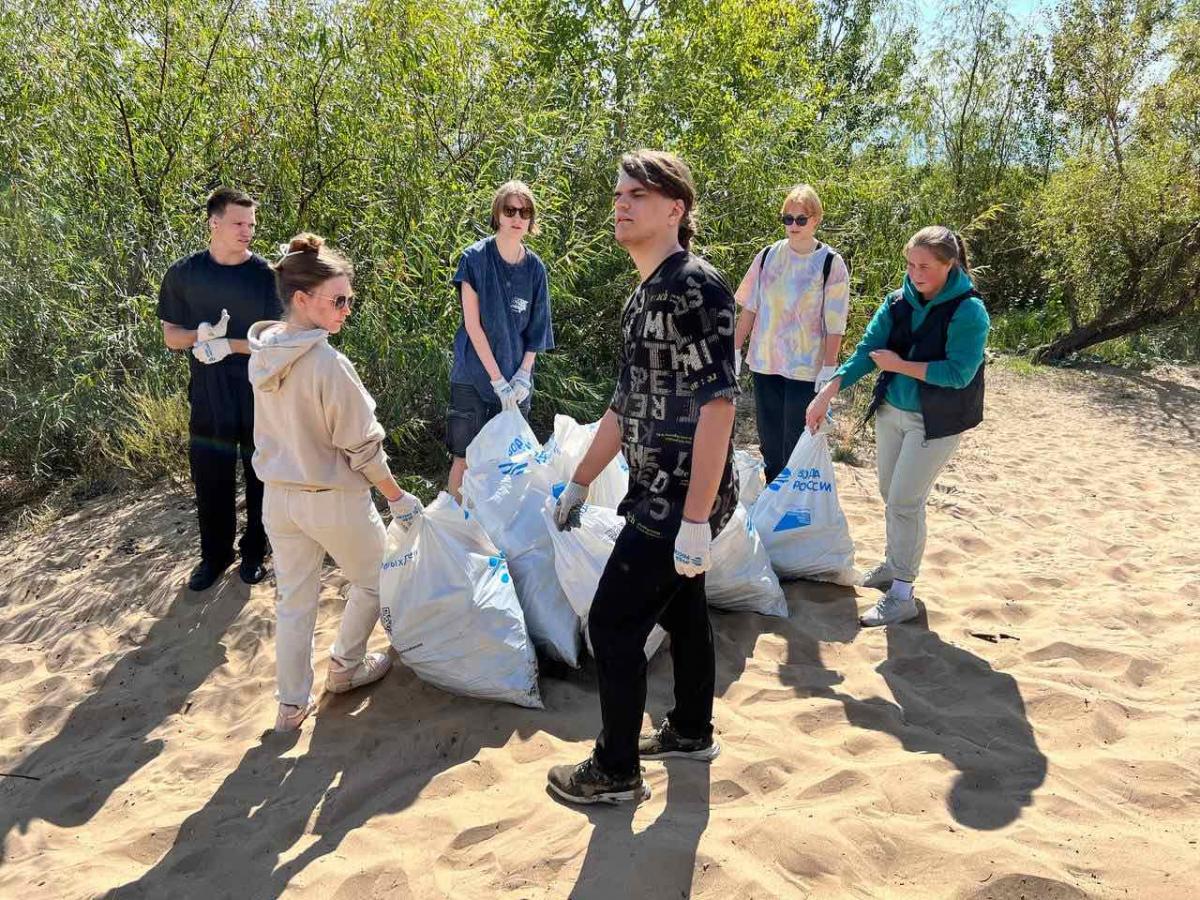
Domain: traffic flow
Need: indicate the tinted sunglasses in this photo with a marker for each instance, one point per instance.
(524, 212)
(340, 302)
(799, 220)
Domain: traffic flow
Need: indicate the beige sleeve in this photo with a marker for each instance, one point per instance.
(350, 415)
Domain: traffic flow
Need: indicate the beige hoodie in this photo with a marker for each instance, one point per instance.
(314, 422)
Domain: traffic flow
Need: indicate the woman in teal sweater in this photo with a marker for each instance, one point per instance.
(927, 341)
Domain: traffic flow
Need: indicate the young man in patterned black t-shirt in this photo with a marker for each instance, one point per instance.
(672, 413)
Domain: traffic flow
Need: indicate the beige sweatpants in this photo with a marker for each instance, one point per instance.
(908, 466)
(303, 526)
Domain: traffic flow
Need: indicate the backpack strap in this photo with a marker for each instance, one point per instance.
(826, 268)
(762, 262)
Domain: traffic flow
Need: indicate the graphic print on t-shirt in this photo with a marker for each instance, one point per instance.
(676, 355)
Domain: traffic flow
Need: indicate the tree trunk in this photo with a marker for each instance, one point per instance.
(1097, 332)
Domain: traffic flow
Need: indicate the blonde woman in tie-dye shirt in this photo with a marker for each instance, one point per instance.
(794, 301)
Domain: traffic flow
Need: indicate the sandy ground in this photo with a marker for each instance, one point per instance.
(1033, 735)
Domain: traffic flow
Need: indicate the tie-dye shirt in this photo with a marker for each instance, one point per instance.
(789, 331)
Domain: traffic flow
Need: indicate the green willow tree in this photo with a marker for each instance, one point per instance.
(1118, 225)
(386, 124)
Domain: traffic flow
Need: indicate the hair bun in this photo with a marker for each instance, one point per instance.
(306, 243)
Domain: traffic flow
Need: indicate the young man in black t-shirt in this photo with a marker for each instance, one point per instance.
(672, 414)
(207, 302)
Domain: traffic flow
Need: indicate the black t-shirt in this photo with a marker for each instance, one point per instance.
(676, 356)
(197, 287)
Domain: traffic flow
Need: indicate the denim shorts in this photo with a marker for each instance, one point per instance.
(468, 413)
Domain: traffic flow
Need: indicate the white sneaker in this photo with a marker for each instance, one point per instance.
(880, 578)
(290, 717)
(891, 610)
(341, 679)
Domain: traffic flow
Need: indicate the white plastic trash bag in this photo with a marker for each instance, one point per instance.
(565, 450)
(751, 479)
(504, 436)
(741, 578)
(506, 495)
(800, 521)
(448, 605)
(580, 556)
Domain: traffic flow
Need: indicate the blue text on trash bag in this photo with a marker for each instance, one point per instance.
(518, 445)
(399, 561)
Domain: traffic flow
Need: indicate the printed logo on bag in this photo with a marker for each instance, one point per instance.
(498, 563)
(409, 557)
(614, 532)
(793, 519)
(518, 445)
(780, 480)
(512, 468)
(543, 456)
(557, 489)
(519, 304)
(810, 480)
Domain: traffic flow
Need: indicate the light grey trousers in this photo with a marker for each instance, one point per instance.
(908, 466)
(302, 526)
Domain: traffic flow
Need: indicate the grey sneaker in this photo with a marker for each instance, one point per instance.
(665, 742)
(891, 610)
(588, 783)
(880, 578)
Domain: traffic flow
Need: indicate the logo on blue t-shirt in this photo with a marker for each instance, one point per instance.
(519, 304)
(793, 519)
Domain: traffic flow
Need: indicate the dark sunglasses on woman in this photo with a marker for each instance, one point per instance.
(523, 211)
(799, 220)
(340, 302)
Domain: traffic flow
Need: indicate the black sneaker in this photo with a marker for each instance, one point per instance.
(206, 574)
(252, 571)
(665, 742)
(588, 783)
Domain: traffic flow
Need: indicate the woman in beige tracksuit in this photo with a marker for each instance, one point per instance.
(318, 451)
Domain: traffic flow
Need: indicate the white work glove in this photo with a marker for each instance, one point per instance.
(693, 546)
(504, 393)
(209, 352)
(737, 363)
(570, 501)
(206, 332)
(522, 384)
(405, 510)
(824, 377)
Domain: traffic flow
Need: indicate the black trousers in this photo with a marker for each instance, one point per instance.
(638, 588)
(221, 432)
(779, 406)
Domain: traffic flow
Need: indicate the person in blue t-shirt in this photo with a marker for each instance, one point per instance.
(506, 323)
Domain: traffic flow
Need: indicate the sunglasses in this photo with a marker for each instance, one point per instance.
(340, 302)
(799, 220)
(512, 211)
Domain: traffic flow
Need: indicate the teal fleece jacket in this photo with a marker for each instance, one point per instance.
(965, 341)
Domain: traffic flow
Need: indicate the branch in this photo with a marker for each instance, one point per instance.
(197, 94)
(129, 151)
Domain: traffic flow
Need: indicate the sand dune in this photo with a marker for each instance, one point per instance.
(1034, 735)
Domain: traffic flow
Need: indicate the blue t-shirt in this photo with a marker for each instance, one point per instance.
(514, 310)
